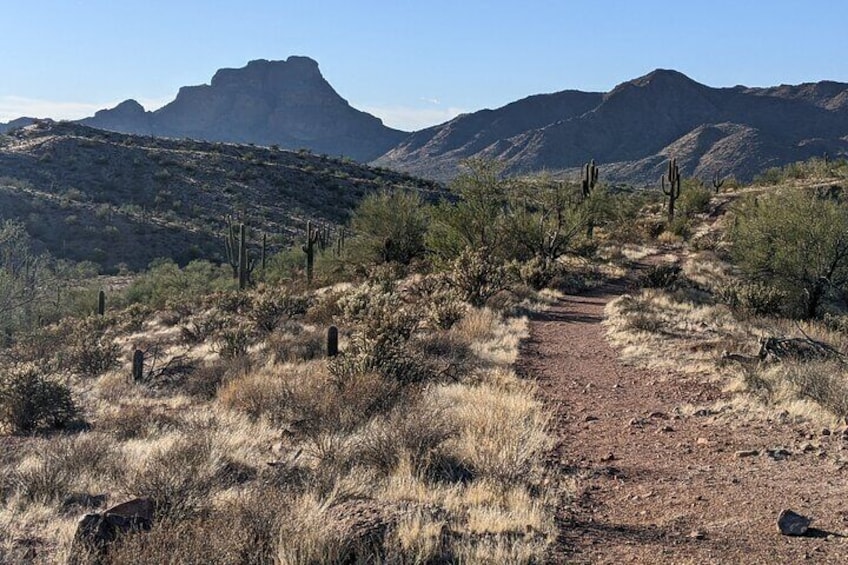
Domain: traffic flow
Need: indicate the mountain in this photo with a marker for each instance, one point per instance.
(91, 195)
(18, 123)
(635, 127)
(285, 103)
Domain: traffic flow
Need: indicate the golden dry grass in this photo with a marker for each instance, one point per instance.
(308, 438)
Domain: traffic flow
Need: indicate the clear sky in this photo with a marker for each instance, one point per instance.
(413, 63)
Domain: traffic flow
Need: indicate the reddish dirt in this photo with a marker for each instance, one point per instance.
(655, 486)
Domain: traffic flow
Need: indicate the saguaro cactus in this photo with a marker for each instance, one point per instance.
(590, 178)
(243, 260)
(238, 256)
(332, 341)
(101, 303)
(717, 183)
(673, 188)
(340, 242)
(312, 237)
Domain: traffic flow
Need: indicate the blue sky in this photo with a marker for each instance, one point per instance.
(412, 63)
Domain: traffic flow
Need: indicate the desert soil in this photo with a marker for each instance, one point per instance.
(662, 475)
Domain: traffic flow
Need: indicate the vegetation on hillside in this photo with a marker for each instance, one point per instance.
(417, 442)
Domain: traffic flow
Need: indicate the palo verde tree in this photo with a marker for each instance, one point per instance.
(545, 216)
(795, 240)
(389, 226)
(475, 217)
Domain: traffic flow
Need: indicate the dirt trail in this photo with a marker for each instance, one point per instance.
(657, 486)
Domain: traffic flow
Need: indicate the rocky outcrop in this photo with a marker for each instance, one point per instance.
(286, 103)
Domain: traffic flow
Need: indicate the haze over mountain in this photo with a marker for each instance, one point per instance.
(630, 130)
(634, 128)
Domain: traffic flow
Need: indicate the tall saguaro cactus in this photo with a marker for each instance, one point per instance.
(673, 188)
(243, 261)
(101, 303)
(312, 237)
(590, 179)
(238, 255)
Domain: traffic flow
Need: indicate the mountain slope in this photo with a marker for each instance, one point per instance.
(87, 194)
(286, 103)
(636, 126)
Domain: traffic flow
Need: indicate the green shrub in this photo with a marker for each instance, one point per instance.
(664, 275)
(754, 297)
(388, 227)
(477, 276)
(798, 242)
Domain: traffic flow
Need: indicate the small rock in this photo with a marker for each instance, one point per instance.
(638, 422)
(747, 453)
(608, 457)
(703, 412)
(590, 418)
(778, 453)
(697, 534)
(665, 429)
(702, 441)
(660, 415)
(825, 432)
(790, 523)
(807, 447)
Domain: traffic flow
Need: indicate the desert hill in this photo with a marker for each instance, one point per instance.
(88, 194)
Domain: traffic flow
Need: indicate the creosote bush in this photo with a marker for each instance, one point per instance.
(31, 402)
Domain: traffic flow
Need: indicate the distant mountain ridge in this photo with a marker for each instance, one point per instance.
(286, 103)
(631, 130)
(636, 126)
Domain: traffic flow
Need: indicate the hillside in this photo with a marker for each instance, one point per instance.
(635, 127)
(286, 103)
(86, 194)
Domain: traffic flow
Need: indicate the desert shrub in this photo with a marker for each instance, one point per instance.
(754, 297)
(797, 241)
(273, 305)
(476, 218)
(177, 478)
(243, 530)
(59, 465)
(258, 395)
(477, 276)
(536, 273)
(31, 402)
(694, 199)
(90, 349)
(824, 383)
(391, 359)
(164, 281)
(444, 309)
(292, 344)
(664, 275)
(233, 341)
(324, 309)
(388, 227)
(414, 431)
(379, 313)
(137, 421)
(204, 380)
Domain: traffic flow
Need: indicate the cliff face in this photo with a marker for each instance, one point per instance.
(635, 127)
(287, 103)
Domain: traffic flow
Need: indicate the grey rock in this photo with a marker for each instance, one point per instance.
(790, 523)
